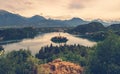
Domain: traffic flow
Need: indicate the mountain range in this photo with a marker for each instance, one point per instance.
(8, 19)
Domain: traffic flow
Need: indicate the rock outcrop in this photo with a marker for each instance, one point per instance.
(59, 67)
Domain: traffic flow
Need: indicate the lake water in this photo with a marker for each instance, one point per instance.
(35, 44)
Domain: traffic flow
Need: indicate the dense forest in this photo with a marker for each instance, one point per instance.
(73, 53)
(103, 58)
(17, 33)
(94, 31)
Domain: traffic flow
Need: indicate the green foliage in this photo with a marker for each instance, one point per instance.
(72, 53)
(17, 62)
(105, 59)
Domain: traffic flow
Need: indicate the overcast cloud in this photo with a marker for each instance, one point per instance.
(62, 9)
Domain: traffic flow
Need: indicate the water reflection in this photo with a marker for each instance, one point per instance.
(35, 44)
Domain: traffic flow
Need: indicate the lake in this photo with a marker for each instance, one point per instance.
(42, 40)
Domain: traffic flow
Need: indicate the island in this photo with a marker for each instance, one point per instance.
(59, 39)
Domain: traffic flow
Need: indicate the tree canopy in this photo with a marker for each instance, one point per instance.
(105, 59)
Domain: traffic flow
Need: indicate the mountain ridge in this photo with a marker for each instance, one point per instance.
(11, 19)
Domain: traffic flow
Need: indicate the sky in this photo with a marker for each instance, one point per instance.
(65, 9)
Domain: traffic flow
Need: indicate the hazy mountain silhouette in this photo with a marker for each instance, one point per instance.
(10, 19)
(76, 21)
(106, 23)
(7, 18)
(115, 27)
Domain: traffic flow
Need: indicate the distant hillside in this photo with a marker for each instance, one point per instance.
(75, 21)
(95, 31)
(103, 22)
(88, 28)
(10, 19)
(106, 23)
(115, 27)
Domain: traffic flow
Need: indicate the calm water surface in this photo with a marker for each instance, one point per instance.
(35, 44)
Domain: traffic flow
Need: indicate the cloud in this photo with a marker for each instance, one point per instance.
(104, 9)
(79, 4)
(76, 6)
